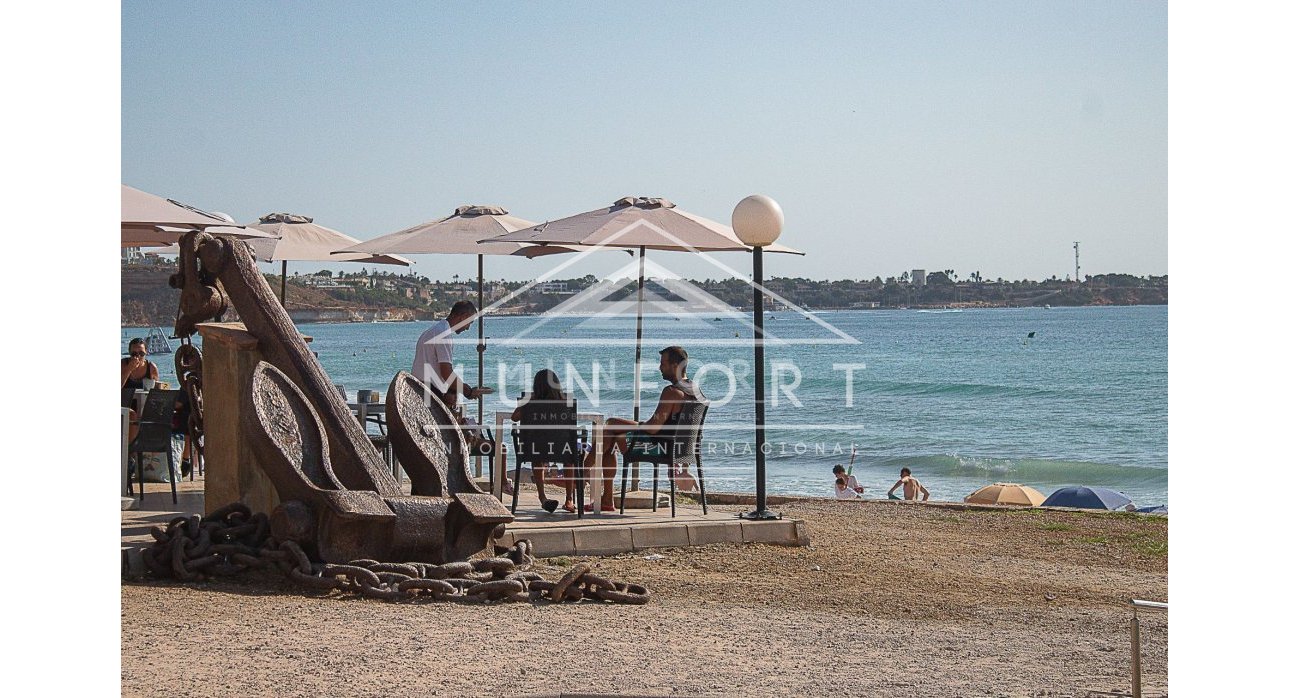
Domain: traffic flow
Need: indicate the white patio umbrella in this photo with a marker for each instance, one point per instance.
(148, 220)
(639, 223)
(299, 239)
(461, 233)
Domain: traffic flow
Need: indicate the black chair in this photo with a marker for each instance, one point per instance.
(155, 429)
(481, 442)
(548, 432)
(382, 440)
(485, 445)
(680, 445)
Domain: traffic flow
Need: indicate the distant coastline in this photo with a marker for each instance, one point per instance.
(147, 299)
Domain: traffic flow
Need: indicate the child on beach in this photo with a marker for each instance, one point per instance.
(842, 490)
(849, 480)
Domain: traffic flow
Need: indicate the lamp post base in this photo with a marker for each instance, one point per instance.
(760, 515)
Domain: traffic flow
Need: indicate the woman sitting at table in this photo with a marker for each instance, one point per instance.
(546, 388)
(135, 368)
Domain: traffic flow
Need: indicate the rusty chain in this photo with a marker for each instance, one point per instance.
(232, 539)
(188, 369)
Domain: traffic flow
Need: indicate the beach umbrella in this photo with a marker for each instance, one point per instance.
(1006, 493)
(148, 220)
(461, 233)
(639, 223)
(1087, 498)
(299, 239)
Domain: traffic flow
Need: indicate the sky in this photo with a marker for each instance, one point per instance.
(982, 136)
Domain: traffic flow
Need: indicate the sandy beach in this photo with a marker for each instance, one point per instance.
(889, 599)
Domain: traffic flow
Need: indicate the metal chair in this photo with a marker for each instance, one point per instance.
(155, 429)
(680, 445)
(547, 432)
(380, 441)
(486, 446)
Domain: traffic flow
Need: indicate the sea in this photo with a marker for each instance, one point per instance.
(964, 398)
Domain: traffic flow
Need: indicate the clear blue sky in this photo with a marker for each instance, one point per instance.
(896, 135)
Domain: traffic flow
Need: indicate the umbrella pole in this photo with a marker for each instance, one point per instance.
(284, 285)
(636, 386)
(479, 463)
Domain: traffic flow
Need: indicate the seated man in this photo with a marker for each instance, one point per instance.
(842, 491)
(680, 389)
(685, 482)
(912, 487)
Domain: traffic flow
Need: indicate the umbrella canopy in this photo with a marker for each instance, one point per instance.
(1087, 498)
(299, 239)
(148, 220)
(643, 223)
(637, 222)
(459, 233)
(1006, 493)
(166, 236)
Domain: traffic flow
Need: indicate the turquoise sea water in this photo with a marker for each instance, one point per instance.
(961, 398)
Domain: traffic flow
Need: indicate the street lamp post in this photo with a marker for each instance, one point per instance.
(757, 221)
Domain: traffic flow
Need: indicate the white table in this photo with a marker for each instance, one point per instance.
(363, 409)
(597, 435)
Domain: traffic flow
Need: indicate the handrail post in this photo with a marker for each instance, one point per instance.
(1135, 642)
(1135, 666)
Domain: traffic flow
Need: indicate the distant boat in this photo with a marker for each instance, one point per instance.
(716, 319)
(1047, 307)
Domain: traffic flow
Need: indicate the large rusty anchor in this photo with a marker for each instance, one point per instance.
(338, 500)
(337, 524)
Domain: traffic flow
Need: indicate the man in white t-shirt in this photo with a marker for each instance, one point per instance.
(850, 487)
(432, 362)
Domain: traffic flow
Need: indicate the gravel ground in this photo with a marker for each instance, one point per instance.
(890, 600)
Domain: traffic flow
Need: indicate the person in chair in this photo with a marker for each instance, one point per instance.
(679, 390)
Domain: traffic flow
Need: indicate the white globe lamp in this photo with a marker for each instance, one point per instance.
(757, 220)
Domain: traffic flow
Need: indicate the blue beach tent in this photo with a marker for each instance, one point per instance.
(1160, 509)
(1087, 498)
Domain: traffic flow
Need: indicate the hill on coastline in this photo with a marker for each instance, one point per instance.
(147, 299)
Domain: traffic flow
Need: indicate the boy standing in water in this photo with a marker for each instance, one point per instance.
(911, 484)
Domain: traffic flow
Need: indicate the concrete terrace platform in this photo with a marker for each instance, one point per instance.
(558, 534)
(563, 533)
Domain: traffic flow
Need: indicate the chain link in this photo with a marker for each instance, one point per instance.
(188, 370)
(232, 539)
